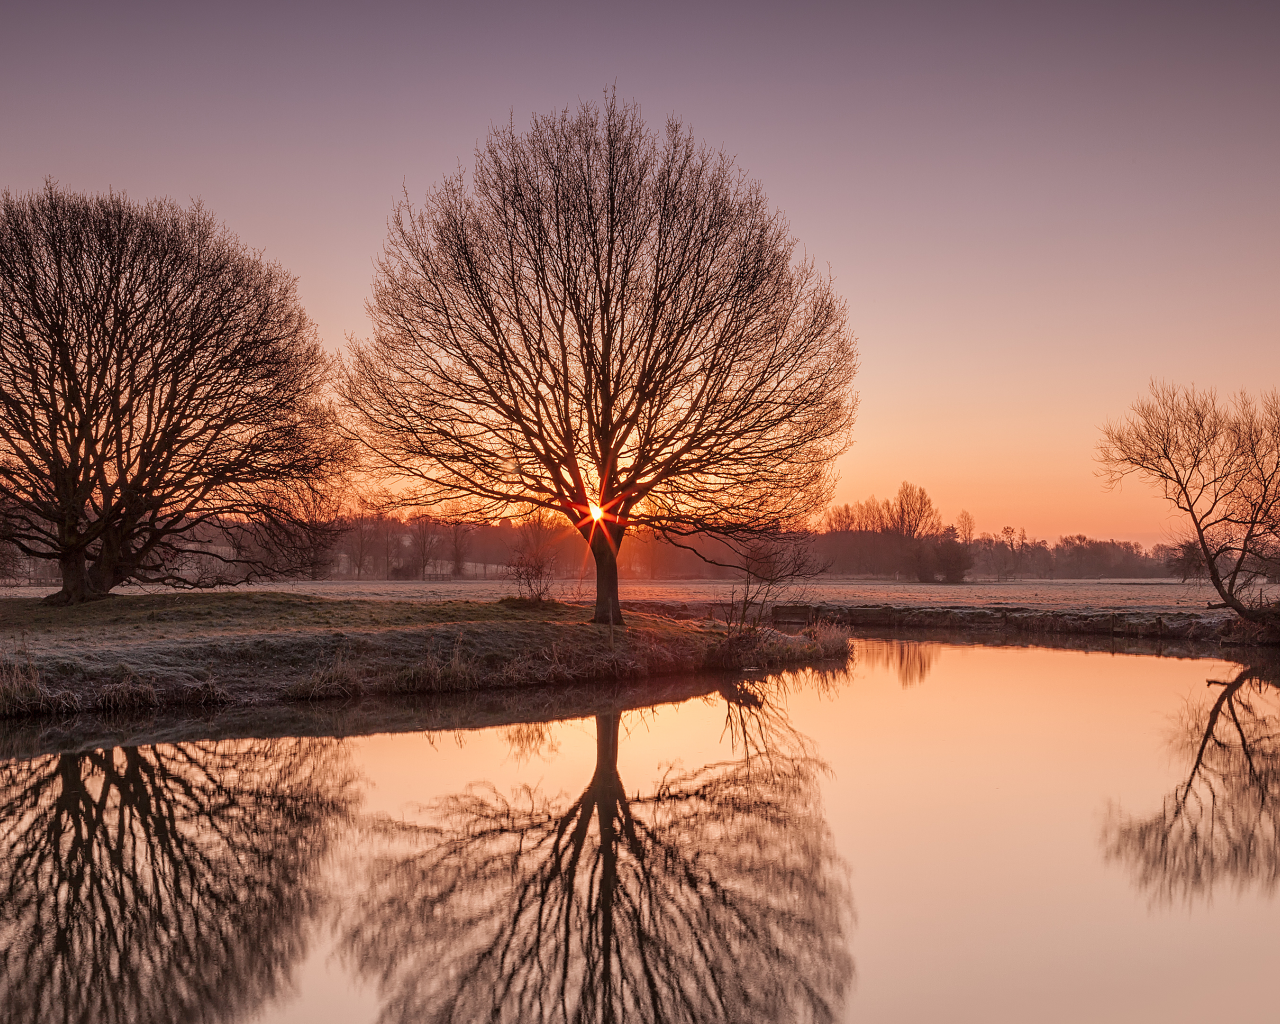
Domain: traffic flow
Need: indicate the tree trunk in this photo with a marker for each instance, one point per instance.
(107, 571)
(75, 580)
(608, 610)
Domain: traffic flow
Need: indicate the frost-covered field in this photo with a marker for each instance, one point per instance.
(1058, 595)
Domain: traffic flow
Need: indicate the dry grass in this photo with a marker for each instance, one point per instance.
(339, 680)
(23, 692)
(139, 653)
(129, 695)
(832, 638)
(205, 694)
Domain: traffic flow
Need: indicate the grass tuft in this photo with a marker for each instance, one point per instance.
(130, 695)
(205, 694)
(460, 671)
(832, 638)
(761, 647)
(339, 680)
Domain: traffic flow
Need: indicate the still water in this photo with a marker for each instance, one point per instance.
(939, 833)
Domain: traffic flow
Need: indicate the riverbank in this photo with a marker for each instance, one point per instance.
(1213, 627)
(135, 653)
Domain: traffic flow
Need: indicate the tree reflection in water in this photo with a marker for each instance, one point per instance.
(1221, 825)
(163, 883)
(912, 659)
(718, 896)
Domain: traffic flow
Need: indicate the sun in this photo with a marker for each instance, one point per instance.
(597, 513)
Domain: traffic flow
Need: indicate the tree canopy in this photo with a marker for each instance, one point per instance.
(161, 395)
(611, 325)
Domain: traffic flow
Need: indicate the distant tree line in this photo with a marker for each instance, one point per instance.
(372, 543)
(904, 537)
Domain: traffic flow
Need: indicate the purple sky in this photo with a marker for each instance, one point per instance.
(1031, 209)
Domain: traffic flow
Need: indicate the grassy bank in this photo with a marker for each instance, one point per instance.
(142, 653)
(1221, 627)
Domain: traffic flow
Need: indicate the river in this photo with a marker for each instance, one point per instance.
(937, 833)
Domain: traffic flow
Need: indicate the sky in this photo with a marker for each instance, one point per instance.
(1031, 209)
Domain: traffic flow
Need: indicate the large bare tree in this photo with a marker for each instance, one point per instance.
(609, 324)
(160, 396)
(1219, 464)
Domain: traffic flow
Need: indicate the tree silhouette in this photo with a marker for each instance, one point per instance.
(164, 883)
(162, 398)
(1218, 463)
(718, 896)
(1222, 825)
(610, 324)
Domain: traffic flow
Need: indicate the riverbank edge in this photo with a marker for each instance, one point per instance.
(1226, 629)
(1217, 627)
(466, 711)
(96, 661)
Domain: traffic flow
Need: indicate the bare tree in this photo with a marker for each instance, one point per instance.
(533, 562)
(911, 513)
(1219, 464)
(160, 395)
(359, 536)
(860, 517)
(612, 326)
(320, 513)
(459, 545)
(770, 570)
(964, 528)
(427, 541)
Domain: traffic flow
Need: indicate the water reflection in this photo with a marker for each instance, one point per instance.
(1220, 826)
(913, 660)
(161, 883)
(717, 896)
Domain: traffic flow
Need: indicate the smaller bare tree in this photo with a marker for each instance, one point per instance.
(427, 542)
(533, 562)
(911, 514)
(771, 570)
(459, 538)
(162, 396)
(1219, 464)
(360, 537)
